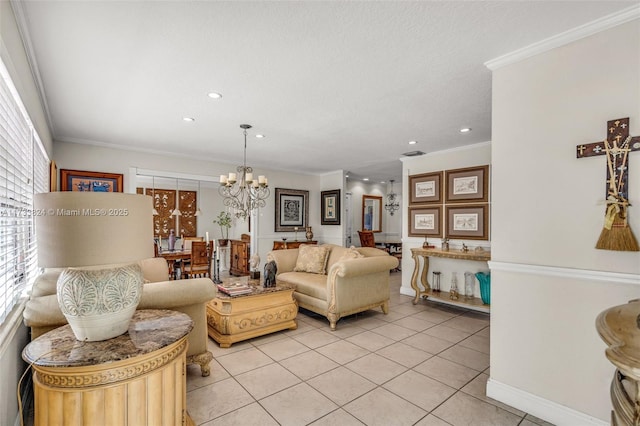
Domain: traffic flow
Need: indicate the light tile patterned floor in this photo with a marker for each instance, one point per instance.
(424, 365)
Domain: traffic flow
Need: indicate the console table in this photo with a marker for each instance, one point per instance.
(443, 297)
(281, 245)
(618, 327)
(136, 378)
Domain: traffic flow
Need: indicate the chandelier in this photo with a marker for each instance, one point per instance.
(242, 193)
(392, 203)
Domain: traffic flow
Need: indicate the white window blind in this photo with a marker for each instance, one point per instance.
(24, 170)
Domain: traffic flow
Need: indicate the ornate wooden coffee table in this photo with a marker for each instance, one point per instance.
(264, 311)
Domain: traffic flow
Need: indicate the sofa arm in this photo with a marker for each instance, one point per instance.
(285, 259)
(363, 266)
(172, 294)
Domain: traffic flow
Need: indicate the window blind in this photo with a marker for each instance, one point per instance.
(24, 170)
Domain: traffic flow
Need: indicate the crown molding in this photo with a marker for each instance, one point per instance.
(23, 28)
(590, 28)
(447, 151)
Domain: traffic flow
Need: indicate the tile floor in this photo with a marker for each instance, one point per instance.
(424, 365)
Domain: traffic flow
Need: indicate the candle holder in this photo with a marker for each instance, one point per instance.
(216, 268)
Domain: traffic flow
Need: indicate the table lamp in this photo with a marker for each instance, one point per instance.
(98, 237)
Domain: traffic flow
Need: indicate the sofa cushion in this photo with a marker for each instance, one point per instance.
(314, 285)
(351, 253)
(312, 259)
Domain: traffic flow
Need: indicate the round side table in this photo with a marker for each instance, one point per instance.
(136, 378)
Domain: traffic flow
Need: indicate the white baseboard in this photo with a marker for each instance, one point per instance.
(540, 407)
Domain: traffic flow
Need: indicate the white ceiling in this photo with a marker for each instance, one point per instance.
(332, 85)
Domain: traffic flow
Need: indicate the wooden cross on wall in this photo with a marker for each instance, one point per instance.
(620, 144)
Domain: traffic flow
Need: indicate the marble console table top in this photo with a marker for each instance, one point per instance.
(149, 331)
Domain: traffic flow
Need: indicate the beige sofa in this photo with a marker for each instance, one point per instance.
(43, 314)
(349, 285)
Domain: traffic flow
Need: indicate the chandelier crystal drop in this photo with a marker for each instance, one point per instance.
(241, 192)
(392, 203)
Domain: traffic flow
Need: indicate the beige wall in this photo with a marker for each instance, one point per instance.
(15, 59)
(469, 156)
(548, 284)
(111, 160)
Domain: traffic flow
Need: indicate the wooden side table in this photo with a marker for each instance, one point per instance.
(265, 310)
(618, 328)
(136, 378)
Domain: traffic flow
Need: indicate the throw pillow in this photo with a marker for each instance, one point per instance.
(350, 253)
(312, 259)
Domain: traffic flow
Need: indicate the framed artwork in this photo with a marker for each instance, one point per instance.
(83, 181)
(467, 185)
(468, 222)
(330, 207)
(292, 209)
(425, 221)
(425, 188)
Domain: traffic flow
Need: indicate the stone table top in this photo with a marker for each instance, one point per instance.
(149, 331)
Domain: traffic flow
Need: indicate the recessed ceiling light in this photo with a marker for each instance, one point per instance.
(382, 181)
(465, 130)
(259, 136)
(188, 119)
(214, 95)
(365, 179)
(413, 142)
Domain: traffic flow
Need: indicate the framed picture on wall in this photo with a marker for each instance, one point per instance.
(468, 222)
(292, 209)
(330, 207)
(84, 181)
(425, 188)
(467, 185)
(425, 221)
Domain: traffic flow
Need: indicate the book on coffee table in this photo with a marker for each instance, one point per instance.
(235, 289)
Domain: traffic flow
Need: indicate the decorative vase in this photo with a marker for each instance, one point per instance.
(453, 291)
(223, 242)
(469, 285)
(484, 278)
(99, 302)
(172, 240)
(309, 234)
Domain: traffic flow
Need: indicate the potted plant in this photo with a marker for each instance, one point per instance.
(224, 222)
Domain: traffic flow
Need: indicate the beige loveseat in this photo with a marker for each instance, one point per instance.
(348, 286)
(43, 314)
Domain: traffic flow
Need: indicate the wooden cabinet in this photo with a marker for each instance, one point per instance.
(240, 252)
(281, 245)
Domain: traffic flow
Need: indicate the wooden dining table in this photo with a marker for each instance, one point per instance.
(172, 256)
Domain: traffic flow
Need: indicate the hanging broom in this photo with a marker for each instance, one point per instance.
(617, 234)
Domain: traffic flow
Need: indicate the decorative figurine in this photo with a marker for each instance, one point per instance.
(270, 270)
(465, 248)
(445, 244)
(172, 240)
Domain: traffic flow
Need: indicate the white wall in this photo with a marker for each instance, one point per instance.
(546, 217)
(111, 160)
(468, 156)
(391, 225)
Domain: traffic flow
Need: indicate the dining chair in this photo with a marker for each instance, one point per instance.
(200, 265)
(367, 239)
(187, 241)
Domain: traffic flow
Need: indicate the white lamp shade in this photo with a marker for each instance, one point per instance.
(90, 228)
